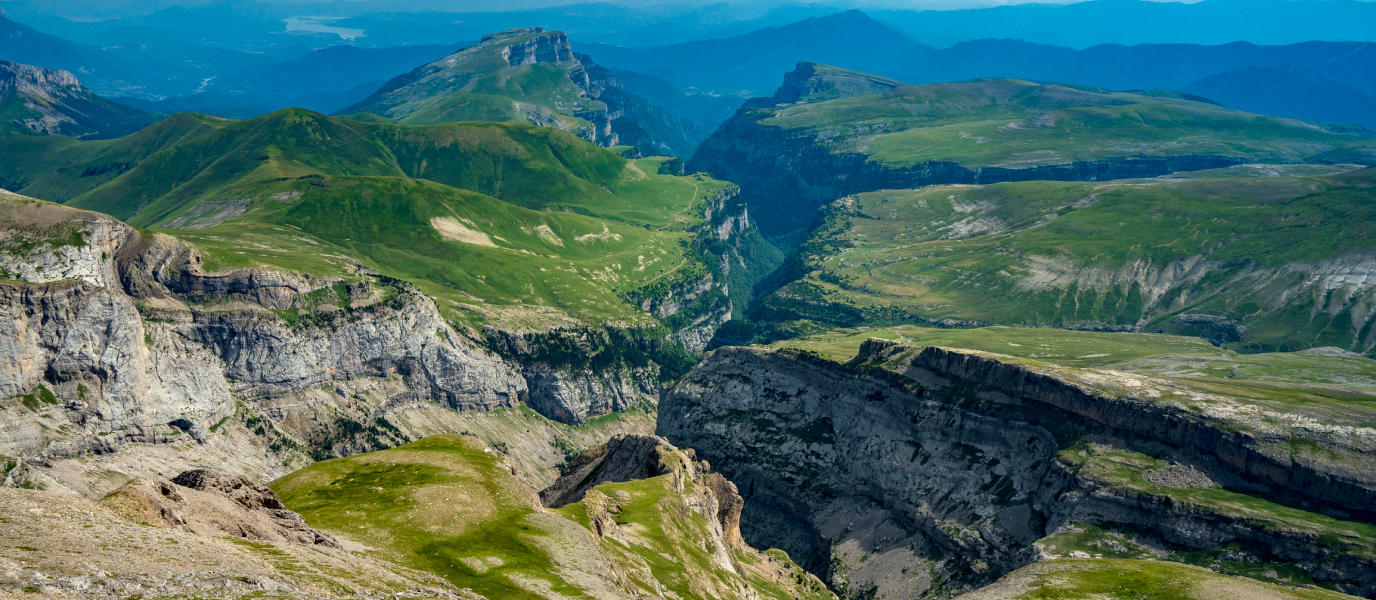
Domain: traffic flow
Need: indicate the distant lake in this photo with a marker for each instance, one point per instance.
(318, 25)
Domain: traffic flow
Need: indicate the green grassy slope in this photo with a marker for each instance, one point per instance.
(479, 84)
(1256, 264)
(59, 168)
(449, 505)
(1018, 124)
(526, 165)
(511, 220)
(1114, 579)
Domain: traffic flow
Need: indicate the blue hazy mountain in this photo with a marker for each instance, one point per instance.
(1131, 22)
(751, 64)
(1290, 94)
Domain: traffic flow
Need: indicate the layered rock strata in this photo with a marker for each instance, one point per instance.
(923, 472)
(119, 337)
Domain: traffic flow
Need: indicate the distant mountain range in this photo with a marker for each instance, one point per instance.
(151, 68)
(702, 81)
(749, 64)
(325, 80)
(1273, 91)
(1129, 22)
(37, 101)
(257, 26)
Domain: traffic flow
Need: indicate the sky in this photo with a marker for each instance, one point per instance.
(123, 8)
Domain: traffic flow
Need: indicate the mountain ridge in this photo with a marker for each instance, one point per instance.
(531, 75)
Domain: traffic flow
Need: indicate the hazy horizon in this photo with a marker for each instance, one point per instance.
(115, 9)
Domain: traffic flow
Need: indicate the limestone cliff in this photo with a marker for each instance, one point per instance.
(926, 472)
(119, 344)
(38, 101)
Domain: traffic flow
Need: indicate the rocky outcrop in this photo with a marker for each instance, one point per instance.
(219, 504)
(917, 472)
(1347, 478)
(622, 458)
(575, 374)
(626, 458)
(50, 102)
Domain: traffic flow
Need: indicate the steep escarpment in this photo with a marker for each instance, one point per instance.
(38, 101)
(926, 472)
(829, 133)
(124, 345)
(132, 348)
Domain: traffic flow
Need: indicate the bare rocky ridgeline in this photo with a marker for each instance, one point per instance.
(926, 472)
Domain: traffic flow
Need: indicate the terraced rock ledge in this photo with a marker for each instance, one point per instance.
(926, 472)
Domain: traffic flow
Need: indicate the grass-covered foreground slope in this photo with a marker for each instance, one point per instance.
(1250, 263)
(828, 133)
(529, 224)
(56, 544)
(451, 506)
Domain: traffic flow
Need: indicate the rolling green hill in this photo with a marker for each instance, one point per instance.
(823, 136)
(1250, 263)
(515, 222)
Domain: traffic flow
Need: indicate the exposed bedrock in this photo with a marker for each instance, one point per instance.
(925, 473)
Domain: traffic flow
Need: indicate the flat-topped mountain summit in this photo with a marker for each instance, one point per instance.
(534, 76)
(39, 101)
(828, 133)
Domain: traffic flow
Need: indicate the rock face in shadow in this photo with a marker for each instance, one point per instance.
(211, 503)
(622, 458)
(920, 472)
